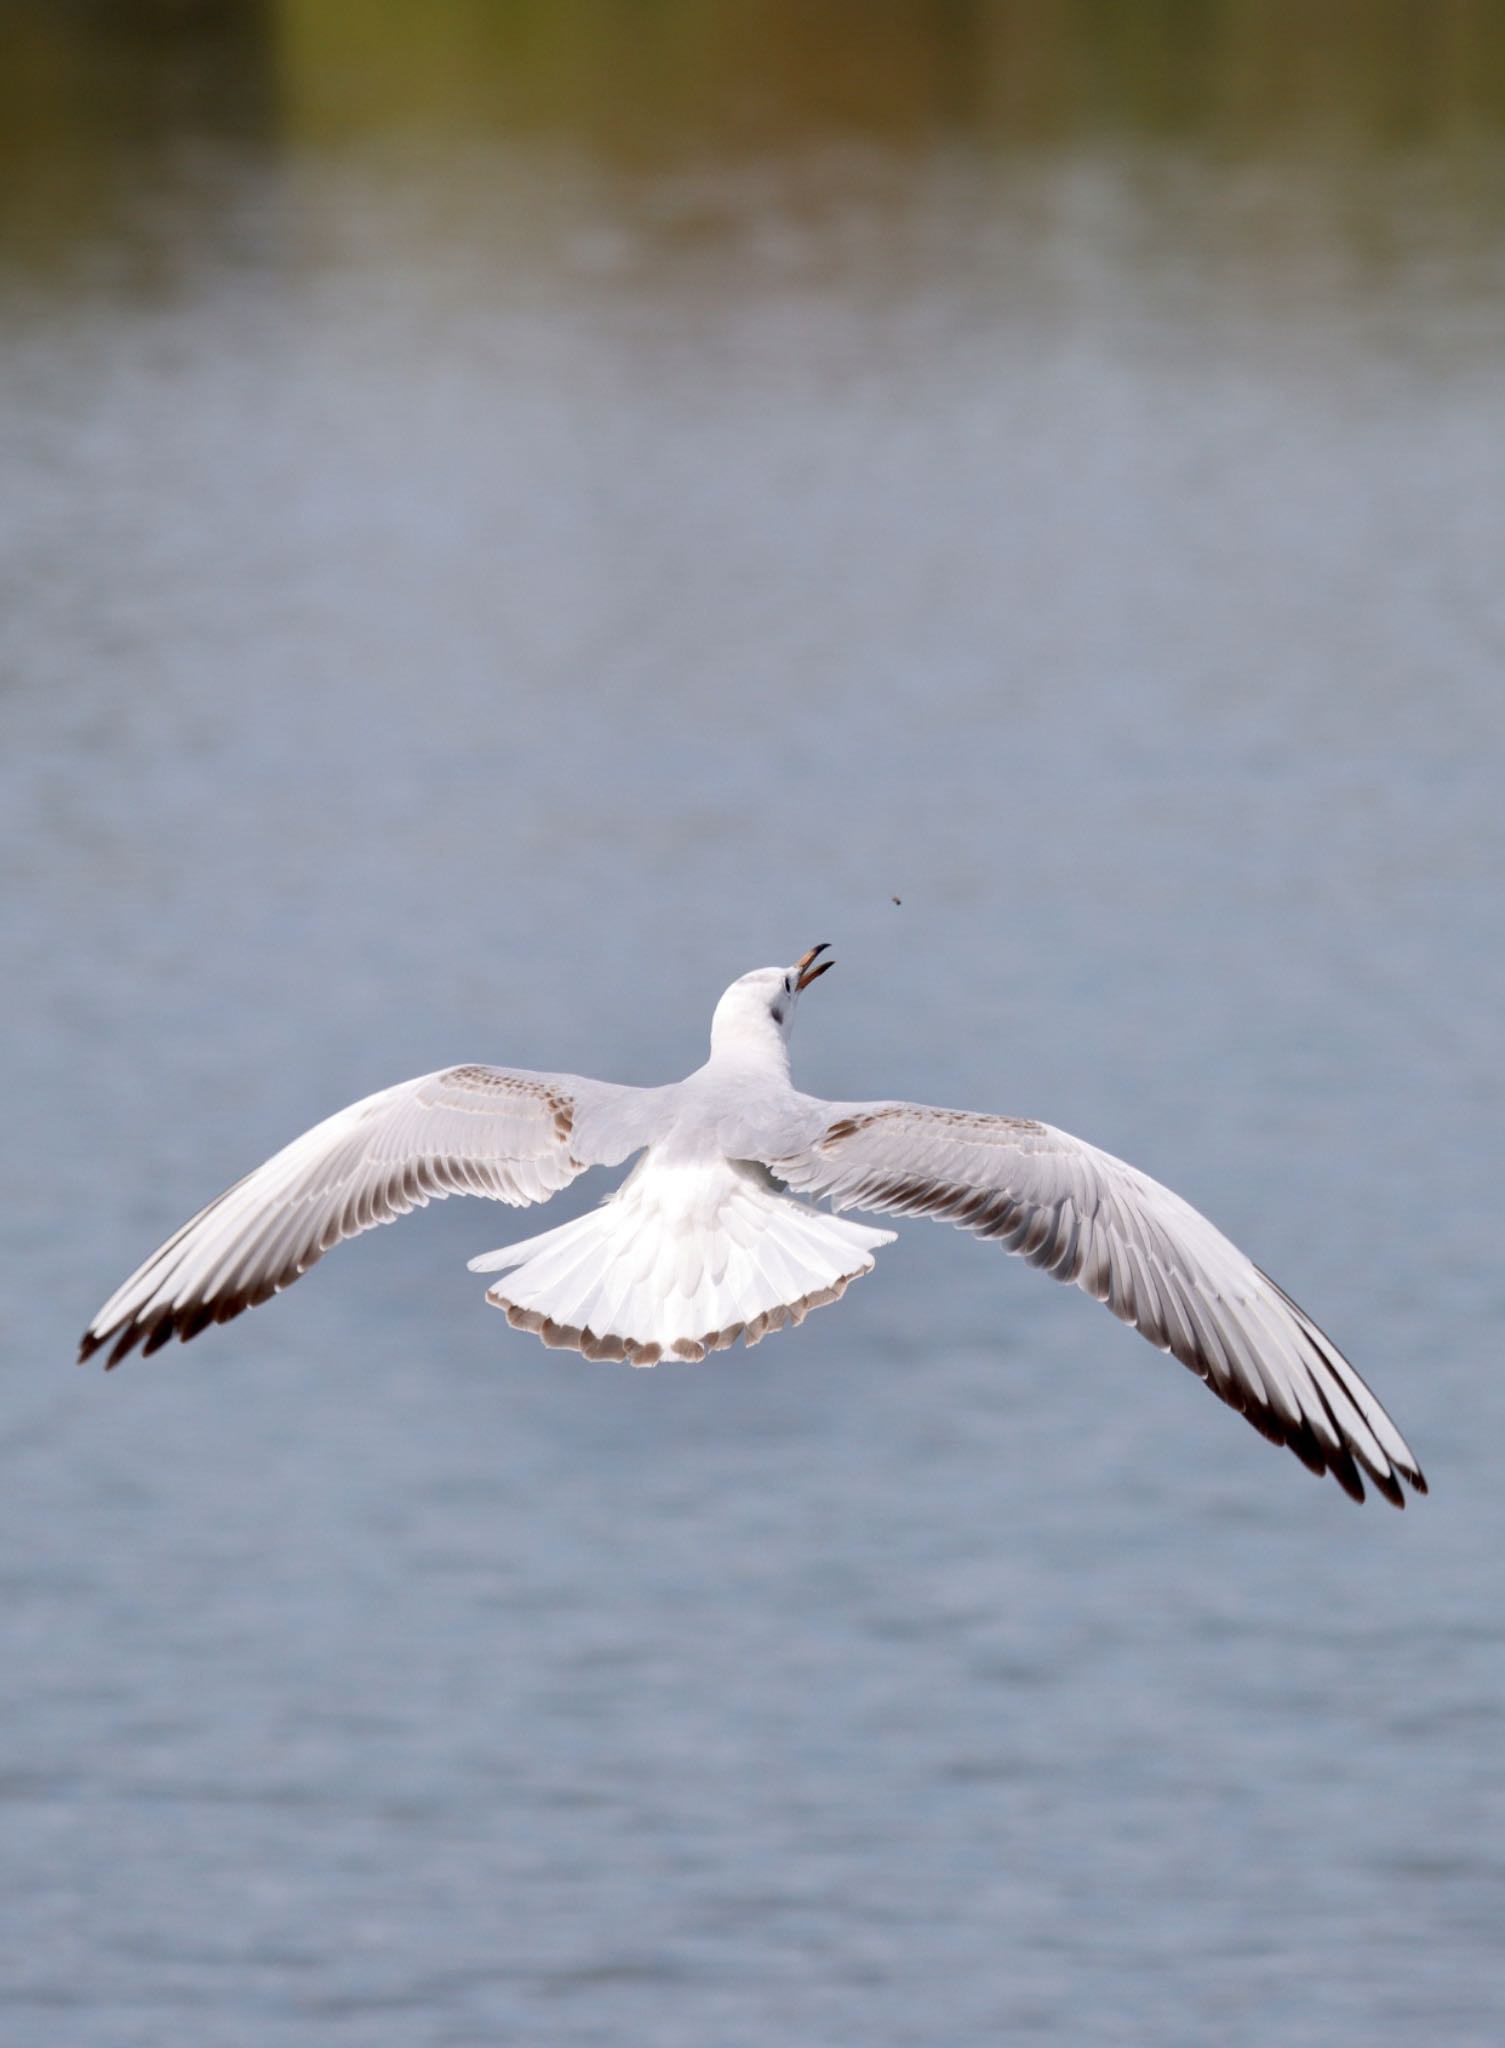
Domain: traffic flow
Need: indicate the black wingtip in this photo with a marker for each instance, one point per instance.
(194, 1321)
(185, 1323)
(1388, 1485)
(1346, 1472)
(125, 1344)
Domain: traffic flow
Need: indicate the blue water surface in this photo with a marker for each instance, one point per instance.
(467, 598)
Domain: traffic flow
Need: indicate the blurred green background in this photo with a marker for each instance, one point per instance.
(92, 96)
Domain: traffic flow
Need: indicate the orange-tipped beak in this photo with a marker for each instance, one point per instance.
(808, 972)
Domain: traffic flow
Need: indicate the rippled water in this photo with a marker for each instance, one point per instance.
(469, 590)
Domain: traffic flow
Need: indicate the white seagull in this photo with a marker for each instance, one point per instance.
(702, 1243)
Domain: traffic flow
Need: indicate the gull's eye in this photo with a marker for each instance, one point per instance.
(787, 989)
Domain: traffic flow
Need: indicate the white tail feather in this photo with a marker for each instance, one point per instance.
(680, 1261)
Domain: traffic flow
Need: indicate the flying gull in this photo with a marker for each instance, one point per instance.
(705, 1242)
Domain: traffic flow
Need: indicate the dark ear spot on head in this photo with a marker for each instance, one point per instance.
(777, 1013)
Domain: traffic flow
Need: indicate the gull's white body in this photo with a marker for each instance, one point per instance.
(704, 1241)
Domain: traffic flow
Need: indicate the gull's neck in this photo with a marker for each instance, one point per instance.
(750, 1046)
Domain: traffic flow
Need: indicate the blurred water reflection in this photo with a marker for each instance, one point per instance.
(513, 514)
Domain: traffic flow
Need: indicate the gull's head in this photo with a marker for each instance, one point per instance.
(758, 1009)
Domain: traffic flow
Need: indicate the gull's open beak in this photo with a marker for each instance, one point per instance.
(808, 973)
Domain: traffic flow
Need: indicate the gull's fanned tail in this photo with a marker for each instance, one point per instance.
(682, 1260)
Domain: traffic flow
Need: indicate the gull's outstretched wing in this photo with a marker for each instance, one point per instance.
(496, 1131)
(1081, 1215)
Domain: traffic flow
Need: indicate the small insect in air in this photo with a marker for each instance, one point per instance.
(896, 899)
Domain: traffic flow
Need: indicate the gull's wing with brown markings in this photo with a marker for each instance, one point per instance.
(1084, 1216)
(512, 1136)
